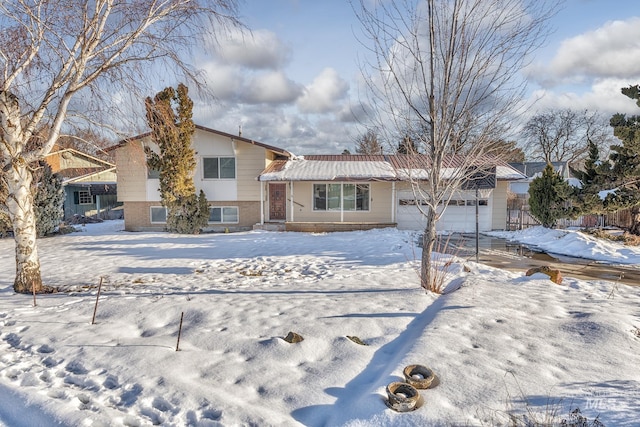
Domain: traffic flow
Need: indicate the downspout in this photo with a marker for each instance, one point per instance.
(394, 206)
(292, 210)
(290, 204)
(261, 202)
(342, 202)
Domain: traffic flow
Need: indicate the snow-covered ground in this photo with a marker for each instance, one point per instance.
(498, 342)
(573, 243)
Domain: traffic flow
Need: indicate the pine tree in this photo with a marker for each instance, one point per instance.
(625, 160)
(169, 115)
(586, 200)
(48, 199)
(547, 197)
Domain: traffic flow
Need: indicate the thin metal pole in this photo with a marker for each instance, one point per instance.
(477, 227)
(179, 332)
(95, 309)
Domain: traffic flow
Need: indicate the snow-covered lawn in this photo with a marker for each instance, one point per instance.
(498, 341)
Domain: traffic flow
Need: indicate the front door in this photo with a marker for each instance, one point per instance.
(277, 202)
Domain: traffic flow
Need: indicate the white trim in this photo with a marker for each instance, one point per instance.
(261, 203)
(291, 194)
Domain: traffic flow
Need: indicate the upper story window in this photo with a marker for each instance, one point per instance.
(348, 197)
(219, 167)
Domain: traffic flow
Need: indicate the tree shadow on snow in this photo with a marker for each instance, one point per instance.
(358, 398)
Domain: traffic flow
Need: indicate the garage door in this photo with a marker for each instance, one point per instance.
(459, 215)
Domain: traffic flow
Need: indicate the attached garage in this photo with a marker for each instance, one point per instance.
(459, 214)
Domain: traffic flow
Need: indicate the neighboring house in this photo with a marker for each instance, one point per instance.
(531, 170)
(253, 185)
(89, 183)
(226, 170)
(340, 192)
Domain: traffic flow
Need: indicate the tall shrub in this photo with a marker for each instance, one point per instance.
(169, 116)
(48, 200)
(548, 197)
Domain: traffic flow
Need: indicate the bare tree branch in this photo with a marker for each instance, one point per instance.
(447, 72)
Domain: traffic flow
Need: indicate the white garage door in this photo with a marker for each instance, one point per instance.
(459, 215)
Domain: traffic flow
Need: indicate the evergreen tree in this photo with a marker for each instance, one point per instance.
(169, 115)
(48, 199)
(624, 174)
(586, 200)
(547, 197)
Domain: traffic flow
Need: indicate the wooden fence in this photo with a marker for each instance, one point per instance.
(519, 219)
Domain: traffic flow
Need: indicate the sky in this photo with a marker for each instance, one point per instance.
(293, 82)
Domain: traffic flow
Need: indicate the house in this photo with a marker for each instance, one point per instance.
(531, 170)
(89, 183)
(345, 192)
(254, 185)
(226, 170)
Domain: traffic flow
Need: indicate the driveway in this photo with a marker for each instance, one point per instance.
(513, 256)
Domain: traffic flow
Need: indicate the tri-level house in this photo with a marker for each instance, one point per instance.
(227, 170)
(250, 184)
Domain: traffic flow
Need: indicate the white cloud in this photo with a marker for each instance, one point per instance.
(260, 49)
(224, 81)
(324, 93)
(612, 50)
(273, 88)
(603, 96)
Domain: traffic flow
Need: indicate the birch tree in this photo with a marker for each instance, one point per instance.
(450, 70)
(57, 52)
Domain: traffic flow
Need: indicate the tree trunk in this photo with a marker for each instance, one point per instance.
(428, 242)
(20, 205)
(635, 220)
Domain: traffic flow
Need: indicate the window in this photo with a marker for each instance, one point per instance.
(158, 214)
(153, 173)
(223, 214)
(219, 167)
(84, 197)
(349, 197)
(481, 202)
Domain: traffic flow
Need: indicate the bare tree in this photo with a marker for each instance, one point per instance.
(368, 143)
(55, 53)
(449, 70)
(564, 135)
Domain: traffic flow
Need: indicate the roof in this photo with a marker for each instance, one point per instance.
(94, 167)
(532, 169)
(206, 129)
(329, 168)
(363, 167)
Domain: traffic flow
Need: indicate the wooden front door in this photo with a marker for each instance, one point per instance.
(277, 202)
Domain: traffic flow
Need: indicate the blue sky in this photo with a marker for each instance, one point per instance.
(293, 82)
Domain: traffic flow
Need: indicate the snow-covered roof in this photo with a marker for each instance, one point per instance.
(303, 169)
(361, 168)
(508, 173)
